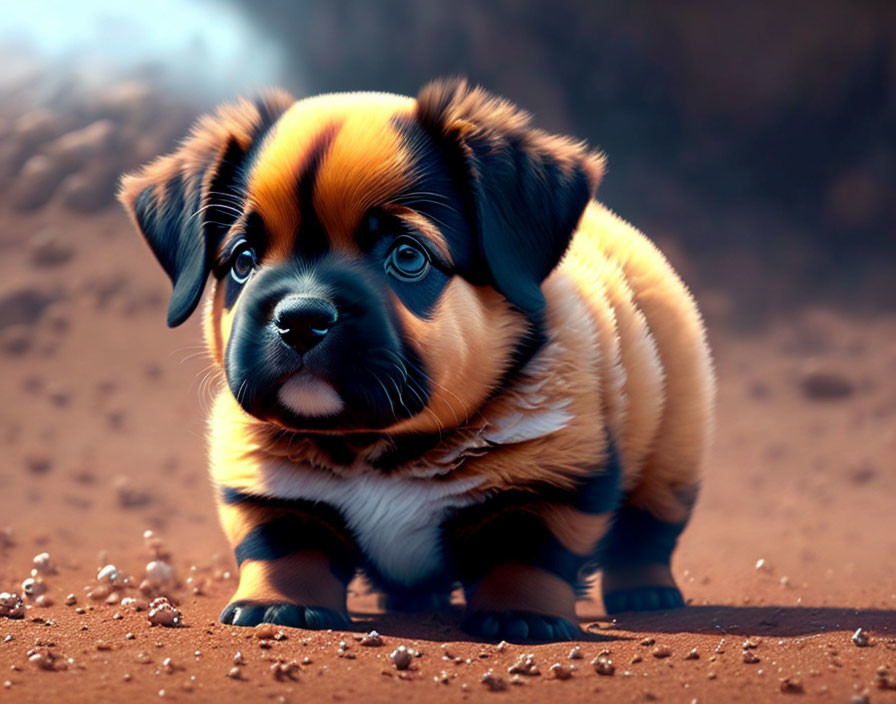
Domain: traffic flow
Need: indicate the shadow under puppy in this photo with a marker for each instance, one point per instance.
(445, 362)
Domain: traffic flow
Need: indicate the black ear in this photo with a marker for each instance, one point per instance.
(184, 203)
(529, 188)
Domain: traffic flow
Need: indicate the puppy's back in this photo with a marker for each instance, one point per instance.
(662, 404)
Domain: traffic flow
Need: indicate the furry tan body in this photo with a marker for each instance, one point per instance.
(623, 376)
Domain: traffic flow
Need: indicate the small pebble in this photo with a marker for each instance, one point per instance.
(11, 605)
(860, 639)
(238, 658)
(648, 641)
(284, 671)
(234, 673)
(494, 682)
(750, 657)
(575, 653)
(603, 666)
(401, 658)
(662, 651)
(561, 671)
(885, 679)
(163, 613)
(33, 588)
(108, 573)
(159, 573)
(71, 600)
(692, 655)
(43, 564)
(763, 565)
(791, 685)
(43, 601)
(502, 646)
(265, 631)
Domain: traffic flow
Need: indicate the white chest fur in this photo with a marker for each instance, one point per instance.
(396, 520)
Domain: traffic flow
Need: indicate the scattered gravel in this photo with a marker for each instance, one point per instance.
(524, 665)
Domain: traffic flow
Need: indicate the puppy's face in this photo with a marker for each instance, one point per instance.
(376, 260)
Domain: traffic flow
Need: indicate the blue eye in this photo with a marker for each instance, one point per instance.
(407, 261)
(243, 265)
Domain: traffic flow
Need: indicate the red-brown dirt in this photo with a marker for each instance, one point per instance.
(102, 437)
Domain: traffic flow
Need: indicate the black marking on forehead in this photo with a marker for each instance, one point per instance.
(311, 237)
(268, 115)
(438, 191)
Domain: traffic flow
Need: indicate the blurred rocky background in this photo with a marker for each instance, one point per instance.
(756, 142)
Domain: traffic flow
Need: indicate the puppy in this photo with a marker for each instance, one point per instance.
(445, 362)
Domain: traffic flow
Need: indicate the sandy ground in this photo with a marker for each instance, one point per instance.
(101, 428)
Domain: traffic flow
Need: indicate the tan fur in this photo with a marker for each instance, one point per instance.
(677, 453)
(578, 532)
(300, 578)
(626, 359)
(514, 587)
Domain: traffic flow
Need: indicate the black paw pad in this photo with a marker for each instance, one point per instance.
(251, 613)
(643, 599)
(520, 626)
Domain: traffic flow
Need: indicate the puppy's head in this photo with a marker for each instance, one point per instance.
(376, 261)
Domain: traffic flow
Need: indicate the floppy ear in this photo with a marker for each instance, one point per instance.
(185, 202)
(529, 188)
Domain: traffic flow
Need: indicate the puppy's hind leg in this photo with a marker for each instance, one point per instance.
(523, 557)
(295, 560)
(636, 553)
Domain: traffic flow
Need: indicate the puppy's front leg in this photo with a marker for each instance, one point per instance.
(295, 560)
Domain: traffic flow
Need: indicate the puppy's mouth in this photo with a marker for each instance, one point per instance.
(309, 396)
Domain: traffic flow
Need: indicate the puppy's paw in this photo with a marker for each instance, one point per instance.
(649, 598)
(520, 626)
(251, 613)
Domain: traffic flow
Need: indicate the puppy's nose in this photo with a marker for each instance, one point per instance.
(303, 322)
